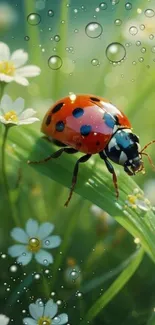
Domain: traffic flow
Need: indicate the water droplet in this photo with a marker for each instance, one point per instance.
(114, 2)
(118, 22)
(3, 255)
(49, 28)
(141, 59)
(57, 38)
(59, 302)
(133, 30)
(26, 38)
(134, 62)
(52, 293)
(76, 30)
(142, 26)
(45, 262)
(138, 43)
(97, 9)
(37, 276)
(95, 62)
(149, 13)
(47, 271)
(62, 21)
(128, 6)
(55, 62)
(93, 30)
(115, 52)
(13, 268)
(151, 36)
(75, 11)
(143, 49)
(34, 19)
(153, 49)
(50, 13)
(103, 6)
(56, 320)
(74, 274)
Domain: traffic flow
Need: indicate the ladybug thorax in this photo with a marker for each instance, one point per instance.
(124, 149)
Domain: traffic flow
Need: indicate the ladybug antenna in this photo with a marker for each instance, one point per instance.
(147, 155)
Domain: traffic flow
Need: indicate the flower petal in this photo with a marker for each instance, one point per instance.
(36, 310)
(29, 112)
(20, 235)
(51, 242)
(4, 77)
(50, 309)
(29, 71)
(32, 228)
(25, 258)
(29, 321)
(17, 250)
(4, 52)
(21, 80)
(6, 103)
(4, 320)
(18, 105)
(19, 58)
(44, 257)
(28, 121)
(45, 229)
(60, 319)
(2, 120)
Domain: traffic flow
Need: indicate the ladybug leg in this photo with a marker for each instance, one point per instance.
(75, 173)
(111, 170)
(53, 155)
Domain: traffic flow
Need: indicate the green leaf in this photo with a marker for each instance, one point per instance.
(116, 286)
(94, 183)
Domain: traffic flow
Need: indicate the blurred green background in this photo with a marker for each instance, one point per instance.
(96, 243)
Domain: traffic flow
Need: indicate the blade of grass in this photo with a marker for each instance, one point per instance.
(115, 288)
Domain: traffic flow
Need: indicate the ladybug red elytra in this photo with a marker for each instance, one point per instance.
(91, 124)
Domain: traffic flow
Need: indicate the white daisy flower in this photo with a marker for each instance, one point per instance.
(4, 320)
(12, 66)
(45, 314)
(33, 242)
(13, 112)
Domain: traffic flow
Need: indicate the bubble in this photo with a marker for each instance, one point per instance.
(115, 52)
(138, 43)
(57, 38)
(56, 320)
(75, 11)
(45, 262)
(93, 30)
(114, 2)
(13, 268)
(133, 30)
(141, 59)
(37, 276)
(134, 62)
(97, 9)
(3, 255)
(50, 13)
(142, 26)
(153, 49)
(59, 302)
(149, 13)
(151, 36)
(118, 22)
(128, 6)
(47, 271)
(76, 30)
(103, 6)
(55, 62)
(52, 293)
(143, 49)
(26, 38)
(95, 62)
(47, 242)
(34, 19)
(62, 21)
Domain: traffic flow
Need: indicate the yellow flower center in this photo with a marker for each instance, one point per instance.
(11, 116)
(44, 321)
(132, 199)
(34, 246)
(7, 68)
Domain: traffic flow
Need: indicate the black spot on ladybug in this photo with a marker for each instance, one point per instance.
(48, 120)
(116, 118)
(85, 130)
(97, 143)
(78, 112)
(60, 126)
(57, 108)
(95, 99)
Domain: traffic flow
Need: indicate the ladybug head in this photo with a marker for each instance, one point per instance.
(124, 149)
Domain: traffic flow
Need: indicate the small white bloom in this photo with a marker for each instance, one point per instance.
(33, 242)
(12, 66)
(45, 314)
(13, 112)
(4, 320)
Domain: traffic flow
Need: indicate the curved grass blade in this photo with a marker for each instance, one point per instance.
(94, 184)
(116, 286)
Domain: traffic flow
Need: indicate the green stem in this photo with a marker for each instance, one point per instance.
(3, 161)
(2, 86)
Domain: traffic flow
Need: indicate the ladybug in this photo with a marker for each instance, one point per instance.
(93, 125)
